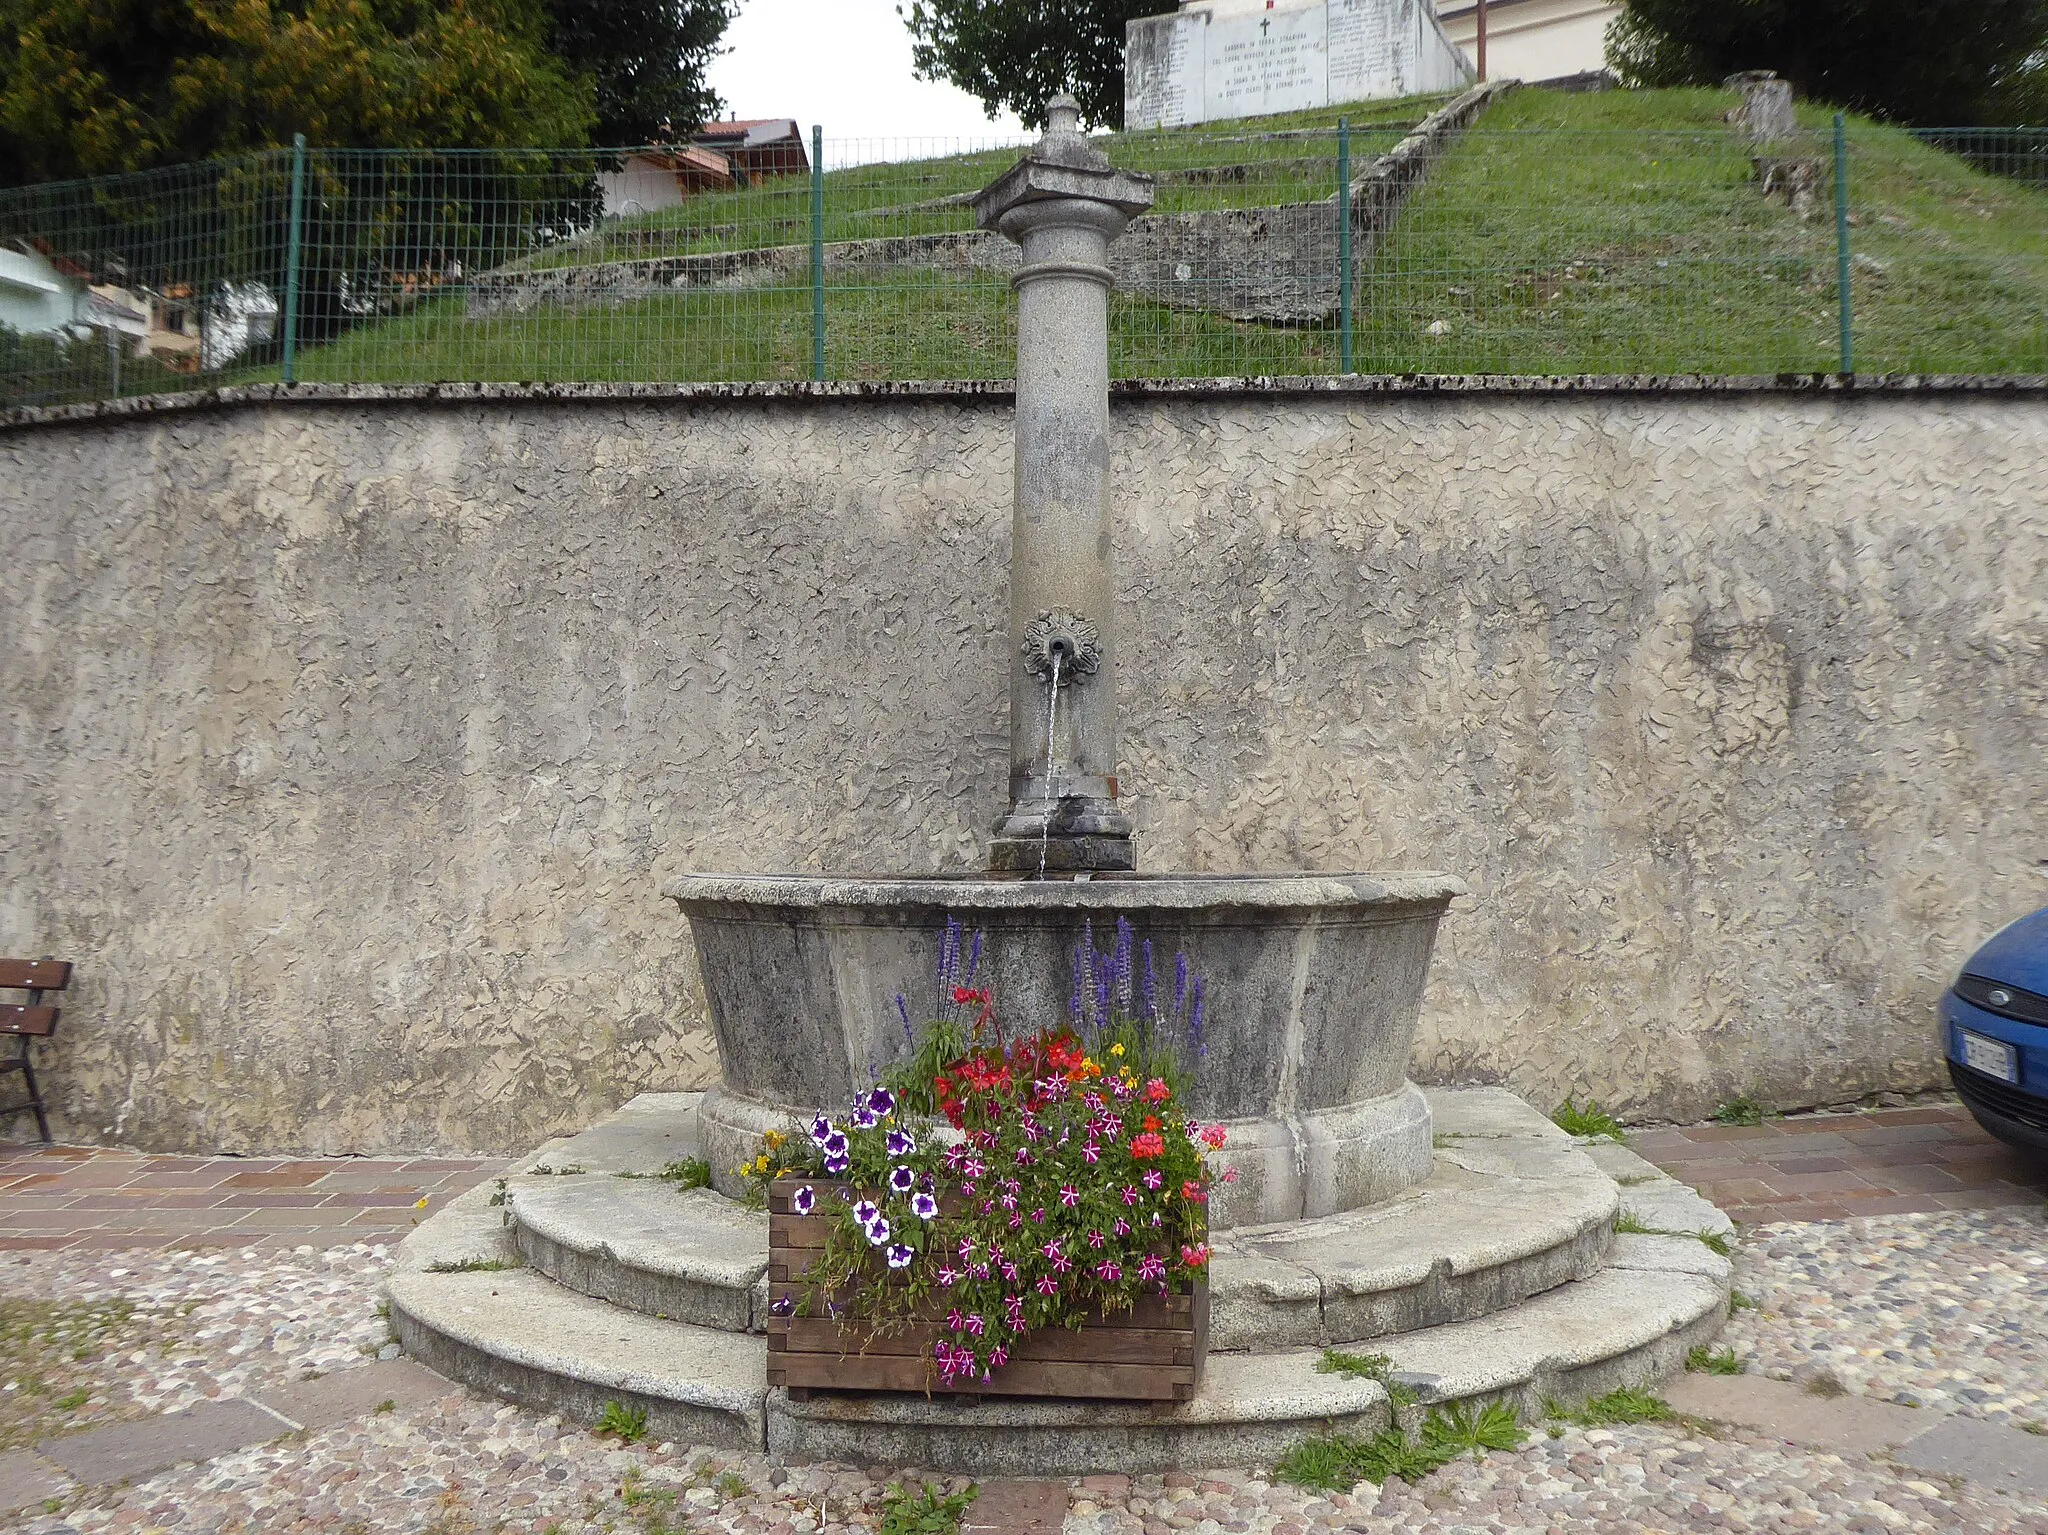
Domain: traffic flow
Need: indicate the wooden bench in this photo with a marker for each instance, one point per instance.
(35, 1019)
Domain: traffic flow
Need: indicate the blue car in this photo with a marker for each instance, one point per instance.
(1996, 1019)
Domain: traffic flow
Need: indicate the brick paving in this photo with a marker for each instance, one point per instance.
(87, 1197)
(1831, 1167)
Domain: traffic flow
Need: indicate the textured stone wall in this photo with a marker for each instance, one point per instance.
(345, 746)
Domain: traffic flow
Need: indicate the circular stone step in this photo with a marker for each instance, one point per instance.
(1513, 1209)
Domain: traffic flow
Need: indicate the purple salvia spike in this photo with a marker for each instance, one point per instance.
(1180, 982)
(1121, 965)
(1074, 1000)
(903, 1011)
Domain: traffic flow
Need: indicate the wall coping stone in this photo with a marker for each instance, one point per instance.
(2031, 386)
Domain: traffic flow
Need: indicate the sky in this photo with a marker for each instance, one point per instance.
(845, 64)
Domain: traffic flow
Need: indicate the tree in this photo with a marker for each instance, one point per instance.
(1917, 61)
(1017, 54)
(646, 60)
(92, 87)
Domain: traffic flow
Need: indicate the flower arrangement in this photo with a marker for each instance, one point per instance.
(1006, 1181)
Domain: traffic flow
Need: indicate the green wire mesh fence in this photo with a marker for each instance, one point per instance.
(1499, 249)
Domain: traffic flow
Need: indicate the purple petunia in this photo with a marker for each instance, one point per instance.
(782, 1305)
(899, 1256)
(804, 1200)
(924, 1207)
(881, 1101)
(901, 1143)
(879, 1232)
(864, 1118)
(821, 1128)
(834, 1144)
(902, 1180)
(867, 1212)
(836, 1165)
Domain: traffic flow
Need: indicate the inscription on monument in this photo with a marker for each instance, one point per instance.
(1206, 63)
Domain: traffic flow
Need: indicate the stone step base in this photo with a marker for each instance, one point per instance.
(1513, 1209)
(515, 1333)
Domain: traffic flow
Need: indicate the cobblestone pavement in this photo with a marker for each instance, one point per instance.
(73, 1197)
(1828, 1167)
(1946, 1308)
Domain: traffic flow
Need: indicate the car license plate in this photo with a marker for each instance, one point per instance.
(1993, 1057)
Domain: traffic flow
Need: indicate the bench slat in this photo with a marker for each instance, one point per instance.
(42, 974)
(38, 1021)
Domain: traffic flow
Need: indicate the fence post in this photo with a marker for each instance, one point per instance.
(293, 239)
(818, 252)
(1847, 305)
(1344, 238)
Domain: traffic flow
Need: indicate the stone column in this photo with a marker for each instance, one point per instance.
(1063, 203)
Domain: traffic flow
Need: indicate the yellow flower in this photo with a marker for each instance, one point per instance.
(773, 1138)
(1116, 1049)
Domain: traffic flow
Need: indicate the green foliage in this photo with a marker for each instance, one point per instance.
(1702, 1361)
(1742, 1110)
(74, 1400)
(1334, 1462)
(627, 1423)
(1737, 1301)
(1625, 1405)
(89, 87)
(730, 1485)
(389, 1404)
(1468, 1428)
(1628, 1223)
(1368, 1367)
(1017, 55)
(1918, 61)
(688, 1173)
(644, 61)
(473, 1265)
(933, 1511)
(1588, 1120)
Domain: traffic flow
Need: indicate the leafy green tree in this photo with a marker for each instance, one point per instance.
(646, 60)
(92, 87)
(1917, 61)
(1014, 55)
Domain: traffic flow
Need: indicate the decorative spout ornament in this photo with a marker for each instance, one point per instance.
(1063, 202)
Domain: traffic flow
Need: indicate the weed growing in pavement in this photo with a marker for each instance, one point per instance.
(473, 1265)
(1625, 1405)
(1336, 1462)
(731, 1485)
(1737, 1301)
(389, 1404)
(1590, 1119)
(627, 1423)
(931, 1512)
(689, 1173)
(1469, 1428)
(2029, 1426)
(1742, 1110)
(50, 1358)
(1702, 1361)
(1628, 1223)
(75, 1400)
(1368, 1367)
(558, 1172)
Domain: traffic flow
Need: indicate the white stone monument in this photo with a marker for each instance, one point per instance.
(1245, 58)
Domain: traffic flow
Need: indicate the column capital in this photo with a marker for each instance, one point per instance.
(1062, 166)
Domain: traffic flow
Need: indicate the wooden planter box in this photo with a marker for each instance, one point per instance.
(1151, 1353)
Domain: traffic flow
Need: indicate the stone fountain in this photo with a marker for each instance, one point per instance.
(1460, 1232)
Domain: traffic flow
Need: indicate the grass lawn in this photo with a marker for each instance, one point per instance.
(1612, 232)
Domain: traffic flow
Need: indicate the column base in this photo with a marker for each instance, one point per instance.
(1063, 855)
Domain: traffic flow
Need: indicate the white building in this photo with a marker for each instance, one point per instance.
(1532, 40)
(36, 295)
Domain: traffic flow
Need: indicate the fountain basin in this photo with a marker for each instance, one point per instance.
(1314, 986)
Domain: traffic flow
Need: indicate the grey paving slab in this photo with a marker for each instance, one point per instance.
(350, 1394)
(128, 1452)
(26, 1479)
(643, 1136)
(1994, 1457)
(1848, 1424)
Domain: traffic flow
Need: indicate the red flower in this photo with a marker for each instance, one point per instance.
(1151, 1121)
(1157, 1090)
(1194, 1191)
(1194, 1257)
(965, 994)
(1148, 1145)
(1213, 1136)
